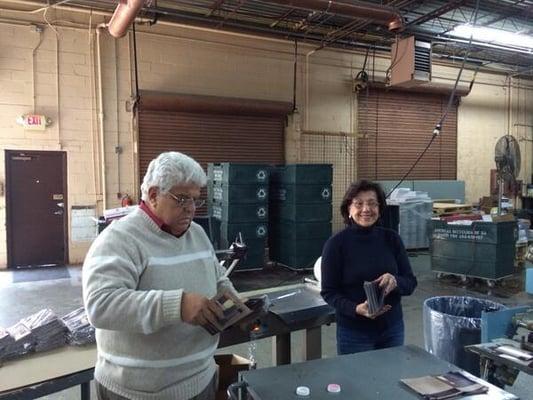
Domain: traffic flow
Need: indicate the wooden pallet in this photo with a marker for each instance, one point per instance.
(449, 209)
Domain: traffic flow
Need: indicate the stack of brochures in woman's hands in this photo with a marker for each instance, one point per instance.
(375, 296)
(450, 385)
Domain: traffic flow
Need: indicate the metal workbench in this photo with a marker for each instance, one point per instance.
(299, 308)
(363, 376)
(293, 309)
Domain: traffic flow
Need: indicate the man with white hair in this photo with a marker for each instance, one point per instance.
(147, 281)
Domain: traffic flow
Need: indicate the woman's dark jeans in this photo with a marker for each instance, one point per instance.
(352, 341)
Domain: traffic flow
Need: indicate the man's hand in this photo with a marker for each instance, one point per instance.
(362, 309)
(197, 309)
(387, 283)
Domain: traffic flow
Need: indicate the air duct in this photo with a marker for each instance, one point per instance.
(123, 16)
(380, 14)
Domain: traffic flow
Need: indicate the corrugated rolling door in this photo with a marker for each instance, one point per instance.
(211, 129)
(396, 126)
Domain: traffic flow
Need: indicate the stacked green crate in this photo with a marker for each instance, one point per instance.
(300, 213)
(238, 203)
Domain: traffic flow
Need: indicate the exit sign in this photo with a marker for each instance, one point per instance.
(34, 122)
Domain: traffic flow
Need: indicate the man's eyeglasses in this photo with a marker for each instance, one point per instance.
(359, 204)
(186, 201)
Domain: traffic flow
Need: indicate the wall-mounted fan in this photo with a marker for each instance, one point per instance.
(507, 158)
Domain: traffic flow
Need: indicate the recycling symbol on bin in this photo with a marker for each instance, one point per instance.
(261, 175)
(261, 212)
(261, 231)
(326, 193)
(261, 193)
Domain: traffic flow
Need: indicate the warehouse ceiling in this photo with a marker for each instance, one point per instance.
(326, 24)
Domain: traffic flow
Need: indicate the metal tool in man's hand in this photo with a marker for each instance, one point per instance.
(260, 305)
(230, 258)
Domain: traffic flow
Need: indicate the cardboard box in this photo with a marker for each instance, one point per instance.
(229, 366)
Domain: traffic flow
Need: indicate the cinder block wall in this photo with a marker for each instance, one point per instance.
(189, 60)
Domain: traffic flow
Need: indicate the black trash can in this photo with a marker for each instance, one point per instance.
(452, 322)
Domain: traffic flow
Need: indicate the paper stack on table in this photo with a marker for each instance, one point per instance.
(80, 331)
(451, 385)
(41, 331)
(9, 347)
(47, 330)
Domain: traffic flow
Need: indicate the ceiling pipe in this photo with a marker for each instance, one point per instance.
(381, 14)
(443, 88)
(123, 16)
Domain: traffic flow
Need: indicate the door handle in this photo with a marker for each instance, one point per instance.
(61, 205)
(59, 212)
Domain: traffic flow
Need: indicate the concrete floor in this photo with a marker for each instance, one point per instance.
(63, 295)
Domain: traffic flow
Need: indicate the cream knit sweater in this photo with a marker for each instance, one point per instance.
(134, 277)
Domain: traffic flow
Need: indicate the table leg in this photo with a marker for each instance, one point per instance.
(85, 390)
(281, 349)
(312, 348)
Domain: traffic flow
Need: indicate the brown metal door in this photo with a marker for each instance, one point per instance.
(36, 208)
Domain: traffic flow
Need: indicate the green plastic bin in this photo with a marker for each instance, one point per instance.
(280, 192)
(299, 230)
(312, 212)
(306, 174)
(237, 173)
(249, 231)
(241, 194)
(239, 213)
(296, 254)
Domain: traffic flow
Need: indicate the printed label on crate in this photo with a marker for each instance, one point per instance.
(218, 174)
(451, 233)
(217, 212)
(218, 193)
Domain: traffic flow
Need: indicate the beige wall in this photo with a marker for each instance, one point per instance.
(187, 60)
(483, 118)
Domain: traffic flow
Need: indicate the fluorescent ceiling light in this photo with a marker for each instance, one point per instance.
(493, 36)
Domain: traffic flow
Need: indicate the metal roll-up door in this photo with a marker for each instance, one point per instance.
(394, 129)
(211, 137)
(211, 129)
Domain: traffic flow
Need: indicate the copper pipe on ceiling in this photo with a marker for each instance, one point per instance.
(382, 14)
(123, 16)
(431, 87)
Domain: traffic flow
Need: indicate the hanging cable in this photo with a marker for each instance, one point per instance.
(136, 69)
(294, 75)
(438, 126)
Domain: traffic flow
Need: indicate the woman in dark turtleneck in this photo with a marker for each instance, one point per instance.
(364, 251)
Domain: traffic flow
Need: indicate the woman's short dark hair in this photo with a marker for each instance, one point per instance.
(355, 188)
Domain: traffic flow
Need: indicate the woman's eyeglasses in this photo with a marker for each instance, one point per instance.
(359, 204)
(186, 201)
